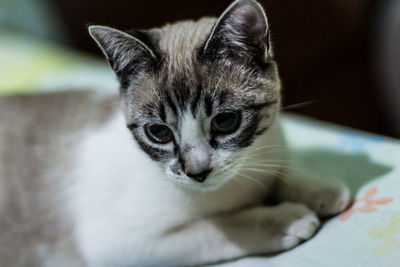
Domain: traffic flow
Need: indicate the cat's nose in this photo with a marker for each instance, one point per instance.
(199, 177)
(195, 160)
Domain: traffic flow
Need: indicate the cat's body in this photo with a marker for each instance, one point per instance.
(47, 192)
(78, 190)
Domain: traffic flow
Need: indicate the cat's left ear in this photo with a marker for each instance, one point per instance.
(240, 32)
(129, 53)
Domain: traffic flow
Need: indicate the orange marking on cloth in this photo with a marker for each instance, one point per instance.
(368, 204)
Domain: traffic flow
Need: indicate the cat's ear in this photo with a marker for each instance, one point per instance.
(128, 53)
(240, 32)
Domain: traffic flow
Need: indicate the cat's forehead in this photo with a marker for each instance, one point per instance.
(179, 41)
(179, 44)
(218, 89)
(185, 83)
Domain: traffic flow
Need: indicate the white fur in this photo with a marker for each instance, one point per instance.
(124, 209)
(190, 129)
(122, 202)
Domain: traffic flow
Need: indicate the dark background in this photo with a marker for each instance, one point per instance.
(324, 49)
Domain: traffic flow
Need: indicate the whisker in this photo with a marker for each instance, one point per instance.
(243, 183)
(253, 180)
(267, 152)
(266, 171)
(294, 168)
(299, 105)
(270, 160)
(273, 173)
(269, 146)
(259, 156)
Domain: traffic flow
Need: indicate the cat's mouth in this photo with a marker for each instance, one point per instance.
(215, 180)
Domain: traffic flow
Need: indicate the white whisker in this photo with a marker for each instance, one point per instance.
(243, 183)
(274, 173)
(273, 165)
(253, 180)
(269, 146)
(262, 152)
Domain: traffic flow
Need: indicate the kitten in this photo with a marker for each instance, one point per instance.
(180, 176)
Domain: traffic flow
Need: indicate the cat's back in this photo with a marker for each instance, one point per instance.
(37, 134)
(34, 127)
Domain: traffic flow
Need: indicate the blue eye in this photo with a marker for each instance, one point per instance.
(225, 123)
(159, 133)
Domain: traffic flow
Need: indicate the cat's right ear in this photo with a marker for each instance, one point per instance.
(240, 33)
(128, 53)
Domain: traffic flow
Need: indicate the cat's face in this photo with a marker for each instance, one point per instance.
(197, 94)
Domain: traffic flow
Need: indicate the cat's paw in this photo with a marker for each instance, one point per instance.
(299, 223)
(330, 199)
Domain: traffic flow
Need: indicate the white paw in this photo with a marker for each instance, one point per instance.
(329, 200)
(298, 224)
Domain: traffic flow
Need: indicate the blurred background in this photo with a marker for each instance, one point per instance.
(339, 60)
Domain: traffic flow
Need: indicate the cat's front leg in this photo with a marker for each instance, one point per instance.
(257, 230)
(326, 197)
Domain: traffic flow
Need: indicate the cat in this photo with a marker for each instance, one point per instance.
(181, 173)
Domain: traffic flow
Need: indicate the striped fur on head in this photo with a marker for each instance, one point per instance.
(183, 74)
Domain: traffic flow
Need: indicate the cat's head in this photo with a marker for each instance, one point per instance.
(197, 94)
